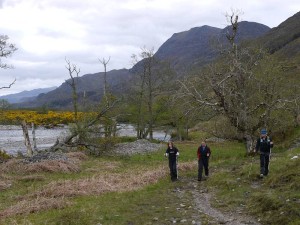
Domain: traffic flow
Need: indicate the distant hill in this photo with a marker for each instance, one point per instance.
(199, 45)
(26, 95)
(195, 47)
(90, 85)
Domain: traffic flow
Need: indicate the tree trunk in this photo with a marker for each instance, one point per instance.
(26, 137)
(33, 137)
(250, 143)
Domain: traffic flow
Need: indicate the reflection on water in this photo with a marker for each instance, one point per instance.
(12, 140)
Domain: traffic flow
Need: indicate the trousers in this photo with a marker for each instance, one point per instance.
(264, 163)
(173, 168)
(202, 163)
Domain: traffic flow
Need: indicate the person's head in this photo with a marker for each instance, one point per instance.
(263, 133)
(170, 144)
(203, 143)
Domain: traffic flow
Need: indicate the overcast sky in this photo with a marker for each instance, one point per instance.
(84, 31)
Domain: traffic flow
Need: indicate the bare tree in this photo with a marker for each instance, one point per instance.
(27, 139)
(151, 76)
(85, 129)
(6, 50)
(244, 86)
(105, 86)
(72, 69)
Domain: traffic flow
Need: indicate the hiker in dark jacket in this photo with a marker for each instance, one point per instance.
(172, 153)
(203, 154)
(264, 145)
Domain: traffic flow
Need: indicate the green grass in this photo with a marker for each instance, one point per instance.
(233, 178)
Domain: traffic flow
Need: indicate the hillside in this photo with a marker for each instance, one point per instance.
(284, 39)
(26, 95)
(91, 84)
(200, 45)
(184, 50)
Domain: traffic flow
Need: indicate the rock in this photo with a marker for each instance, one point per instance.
(140, 146)
(45, 156)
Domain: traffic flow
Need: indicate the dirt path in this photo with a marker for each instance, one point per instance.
(204, 213)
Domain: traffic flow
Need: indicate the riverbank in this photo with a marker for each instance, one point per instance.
(12, 140)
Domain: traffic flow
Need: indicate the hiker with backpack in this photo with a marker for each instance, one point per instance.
(172, 153)
(264, 145)
(203, 154)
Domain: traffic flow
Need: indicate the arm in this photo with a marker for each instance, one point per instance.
(167, 152)
(198, 153)
(271, 143)
(208, 151)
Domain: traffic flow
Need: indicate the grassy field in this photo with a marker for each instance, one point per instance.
(138, 190)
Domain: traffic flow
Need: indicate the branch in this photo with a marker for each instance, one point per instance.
(197, 97)
(9, 86)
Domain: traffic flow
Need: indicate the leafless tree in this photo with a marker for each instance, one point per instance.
(73, 70)
(104, 62)
(6, 50)
(240, 86)
(83, 127)
(150, 85)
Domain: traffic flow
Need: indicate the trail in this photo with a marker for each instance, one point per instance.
(204, 212)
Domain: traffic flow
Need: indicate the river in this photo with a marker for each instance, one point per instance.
(12, 140)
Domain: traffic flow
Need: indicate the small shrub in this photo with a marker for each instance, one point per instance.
(4, 156)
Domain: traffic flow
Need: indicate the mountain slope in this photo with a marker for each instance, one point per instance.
(90, 84)
(26, 95)
(200, 45)
(287, 33)
(195, 47)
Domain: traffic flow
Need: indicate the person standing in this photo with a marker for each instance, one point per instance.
(172, 153)
(264, 145)
(203, 154)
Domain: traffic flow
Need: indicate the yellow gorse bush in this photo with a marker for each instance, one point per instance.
(51, 117)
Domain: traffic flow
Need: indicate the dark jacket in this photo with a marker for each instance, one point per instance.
(202, 152)
(264, 145)
(172, 153)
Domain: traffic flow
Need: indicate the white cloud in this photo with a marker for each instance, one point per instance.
(47, 31)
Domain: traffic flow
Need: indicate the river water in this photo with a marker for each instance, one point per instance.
(12, 140)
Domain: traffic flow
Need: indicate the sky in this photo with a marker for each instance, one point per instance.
(47, 32)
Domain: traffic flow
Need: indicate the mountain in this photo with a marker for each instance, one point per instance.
(90, 85)
(200, 45)
(284, 40)
(26, 95)
(195, 47)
